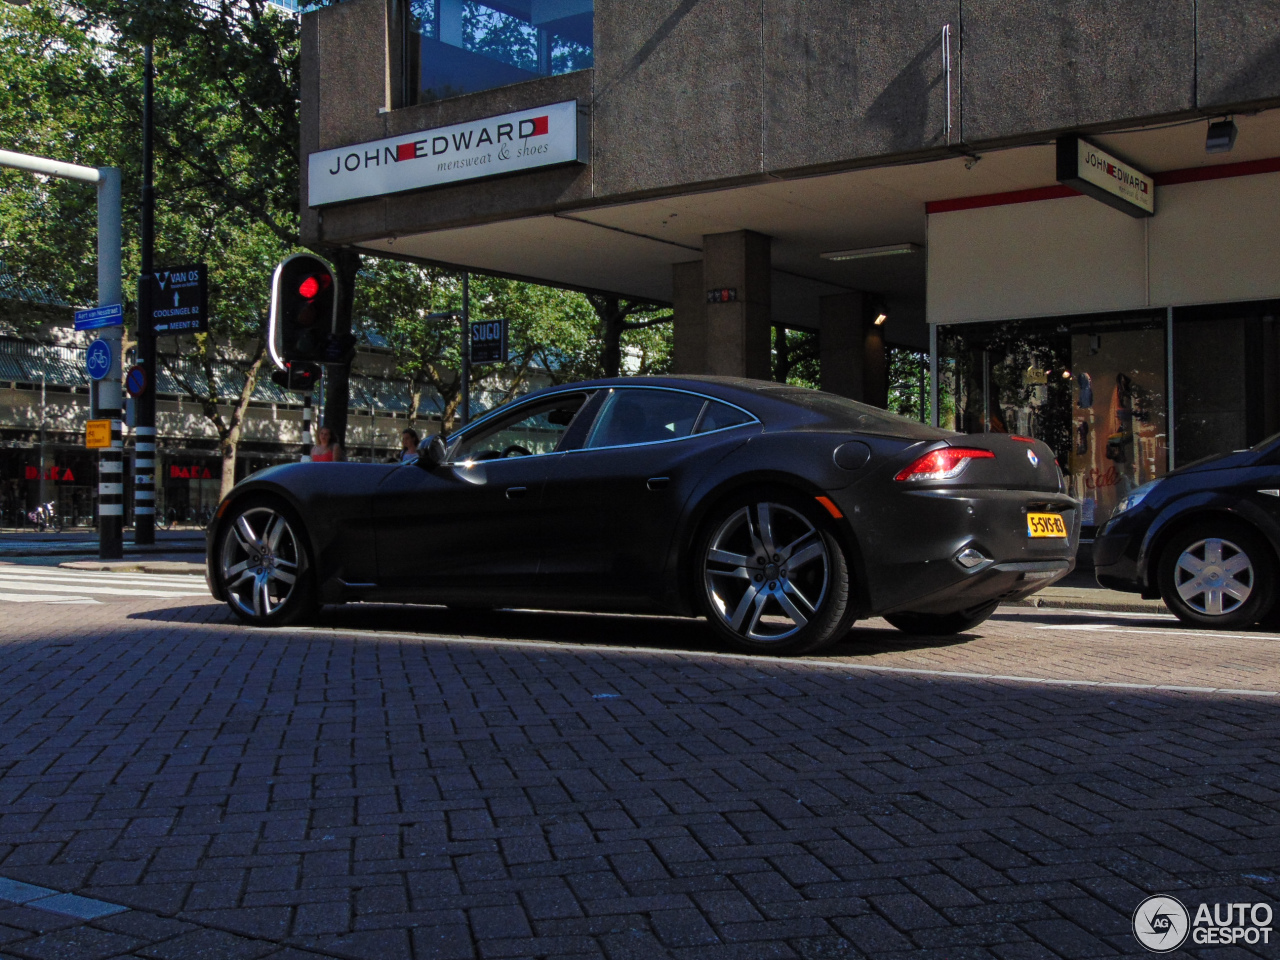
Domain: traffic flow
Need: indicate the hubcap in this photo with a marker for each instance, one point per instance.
(1214, 577)
(766, 571)
(259, 562)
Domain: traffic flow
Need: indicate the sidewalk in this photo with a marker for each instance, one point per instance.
(1079, 591)
(83, 544)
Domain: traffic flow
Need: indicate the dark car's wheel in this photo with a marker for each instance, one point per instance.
(941, 624)
(264, 566)
(771, 575)
(1217, 574)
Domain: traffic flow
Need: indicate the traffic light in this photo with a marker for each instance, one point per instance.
(296, 376)
(304, 310)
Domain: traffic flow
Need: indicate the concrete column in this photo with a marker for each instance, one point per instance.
(840, 344)
(690, 325)
(853, 361)
(737, 331)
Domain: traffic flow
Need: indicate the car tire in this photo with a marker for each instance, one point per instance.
(941, 624)
(264, 564)
(747, 591)
(1217, 574)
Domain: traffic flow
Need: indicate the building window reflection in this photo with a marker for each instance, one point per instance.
(457, 47)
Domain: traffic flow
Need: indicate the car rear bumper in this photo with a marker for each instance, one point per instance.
(911, 549)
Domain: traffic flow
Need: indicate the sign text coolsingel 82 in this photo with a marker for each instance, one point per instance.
(508, 143)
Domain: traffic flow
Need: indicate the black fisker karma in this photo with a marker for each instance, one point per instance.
(779, 514)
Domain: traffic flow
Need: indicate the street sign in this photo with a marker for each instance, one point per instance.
(135, 381)
(489, 341)
(97, 359)
(97, 434)
(99, 317)
(176, 300)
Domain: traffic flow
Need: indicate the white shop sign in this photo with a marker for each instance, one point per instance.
(1103, 176)
(525, 140)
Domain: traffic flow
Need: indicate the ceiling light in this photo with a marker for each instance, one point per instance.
(1221, 137)
(881, 319)
(865, 252)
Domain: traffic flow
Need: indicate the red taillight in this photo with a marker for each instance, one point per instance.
(945, 463)
(1014, 436)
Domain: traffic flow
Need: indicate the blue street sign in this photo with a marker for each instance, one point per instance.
(111, 315)
(135, 381)
(97, 359)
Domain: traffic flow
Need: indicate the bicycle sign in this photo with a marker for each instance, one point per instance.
(97, 359)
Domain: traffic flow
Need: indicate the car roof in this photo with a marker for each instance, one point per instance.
(777, 405)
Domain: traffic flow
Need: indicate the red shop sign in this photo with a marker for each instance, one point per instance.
(189, 473)
(61, 474)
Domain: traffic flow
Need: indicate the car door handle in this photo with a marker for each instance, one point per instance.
(515, 493)
(657, 483)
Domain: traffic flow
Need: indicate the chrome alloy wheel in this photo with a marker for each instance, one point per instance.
(766, 571)
(1213, 577)
(259, 563)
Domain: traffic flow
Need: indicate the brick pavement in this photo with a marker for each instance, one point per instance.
(307, 793)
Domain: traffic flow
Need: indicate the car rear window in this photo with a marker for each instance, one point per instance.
(720, 415)
(860, 417)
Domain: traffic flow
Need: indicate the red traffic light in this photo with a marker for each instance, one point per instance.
(312, 286)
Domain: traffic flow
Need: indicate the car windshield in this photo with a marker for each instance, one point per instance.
(860, 417)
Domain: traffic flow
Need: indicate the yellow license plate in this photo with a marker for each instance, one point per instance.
(1045, 525)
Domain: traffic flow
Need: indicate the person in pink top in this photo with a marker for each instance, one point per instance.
(326, 449)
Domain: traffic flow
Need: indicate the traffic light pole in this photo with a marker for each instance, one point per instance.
(144, 463)
(104, 397)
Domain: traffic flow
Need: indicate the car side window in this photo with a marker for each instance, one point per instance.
(719, 415)
(532, 430)
(644, 416)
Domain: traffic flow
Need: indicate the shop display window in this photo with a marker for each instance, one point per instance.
(1094, 389)
(1226, 362)
(455, 47)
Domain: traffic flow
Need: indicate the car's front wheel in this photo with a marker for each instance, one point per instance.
(1217, 574)
(772, 576)
(263, 564)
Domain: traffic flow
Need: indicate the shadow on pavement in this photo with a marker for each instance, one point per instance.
(606, 629)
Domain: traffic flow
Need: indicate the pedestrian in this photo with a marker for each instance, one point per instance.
(326, 449)
(408, 445)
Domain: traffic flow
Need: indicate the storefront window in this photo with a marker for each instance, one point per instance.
(1093, 389)
(462, 46)
(1226, 362)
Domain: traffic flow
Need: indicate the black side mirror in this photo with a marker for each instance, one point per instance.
(432, 454)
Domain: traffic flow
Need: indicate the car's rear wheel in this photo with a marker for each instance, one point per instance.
(942, 624)
(772, 576)
(264, 566)
(1217, 574)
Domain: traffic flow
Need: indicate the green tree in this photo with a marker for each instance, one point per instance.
(226, 126)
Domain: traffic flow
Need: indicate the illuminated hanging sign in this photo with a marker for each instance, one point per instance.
(1096, 173)
(510, 143)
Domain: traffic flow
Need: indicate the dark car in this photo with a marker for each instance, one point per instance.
(1205, 538)
(780, 514)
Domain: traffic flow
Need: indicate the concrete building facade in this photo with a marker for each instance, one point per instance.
(883, 174)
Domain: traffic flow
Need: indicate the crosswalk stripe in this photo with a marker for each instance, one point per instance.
(44, 575)
(41, 598)
(121, 591)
